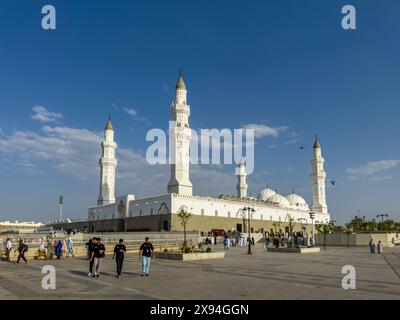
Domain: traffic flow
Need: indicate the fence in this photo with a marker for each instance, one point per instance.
(132, 241)
(354, 239)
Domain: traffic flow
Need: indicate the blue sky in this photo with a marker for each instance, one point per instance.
(271, 63)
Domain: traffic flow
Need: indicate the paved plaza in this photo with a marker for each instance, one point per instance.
(237, 277)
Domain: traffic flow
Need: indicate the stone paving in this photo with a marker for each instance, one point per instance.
(237, 277)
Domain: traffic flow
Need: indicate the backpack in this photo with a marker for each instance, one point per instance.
(25, 248)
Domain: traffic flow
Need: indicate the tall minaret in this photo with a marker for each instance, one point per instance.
(180, 137)
(241, 186)
(318, 179)
(108, 164)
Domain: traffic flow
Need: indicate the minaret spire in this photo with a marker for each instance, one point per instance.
(180, 137)
(108, 164)
(241, 186)
(318, 177)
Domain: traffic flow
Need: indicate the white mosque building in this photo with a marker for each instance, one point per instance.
(156, 213)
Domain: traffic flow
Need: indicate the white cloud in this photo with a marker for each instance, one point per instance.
(261, 130)
(65, 149)
(131, 112)
(292, 141)
(372, 168)
(43, 115)
(77, 151)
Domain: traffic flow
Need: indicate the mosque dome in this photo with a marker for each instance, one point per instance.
(297, 201)
(265, 194)
(279, 200)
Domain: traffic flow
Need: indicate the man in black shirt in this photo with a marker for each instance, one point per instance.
(99, 252)
(119, 255)
(91, 245)
(146, 251)
(22, 248)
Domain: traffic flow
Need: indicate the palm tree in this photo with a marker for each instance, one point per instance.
(184, 216)
(372, 225)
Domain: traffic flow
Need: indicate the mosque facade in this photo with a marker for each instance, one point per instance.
(159, 213)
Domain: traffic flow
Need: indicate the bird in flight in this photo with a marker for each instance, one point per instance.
(333, 182)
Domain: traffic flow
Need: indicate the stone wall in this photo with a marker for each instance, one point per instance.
(170, 222)
(148, 223)
(355, 239)
(206, 224)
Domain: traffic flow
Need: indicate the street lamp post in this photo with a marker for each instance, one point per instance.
(383, 216)
(250, 211)
(312, 217)
(61, 207)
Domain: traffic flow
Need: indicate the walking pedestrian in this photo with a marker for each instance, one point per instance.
(147, 252)
(70, 247)
(372, 246)
(119, 255)
(8, 249)
(91, 246)
(99, 253)
(64, 248)
(267, 241)
(59, 250)
(42, 249)
(22, 249)
(50, 250)
(226, 242)
(380, 247)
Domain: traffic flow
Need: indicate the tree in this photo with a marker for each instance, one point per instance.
(325, 229)
(339, 229)
(184, 216)
(292, 223)
(372, 225)
(357, 224)
(387, 225)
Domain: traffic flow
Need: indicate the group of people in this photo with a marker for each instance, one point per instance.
(244, 241)
(57, 248)
(21, 249)
(372, 246)
(95, 249)
(230, 240)
(47, 249)
(96, 252)
(288, 239)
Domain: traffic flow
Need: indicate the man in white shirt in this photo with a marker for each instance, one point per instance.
(8, 249)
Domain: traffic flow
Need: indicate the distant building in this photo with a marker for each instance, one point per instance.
(19, 227)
